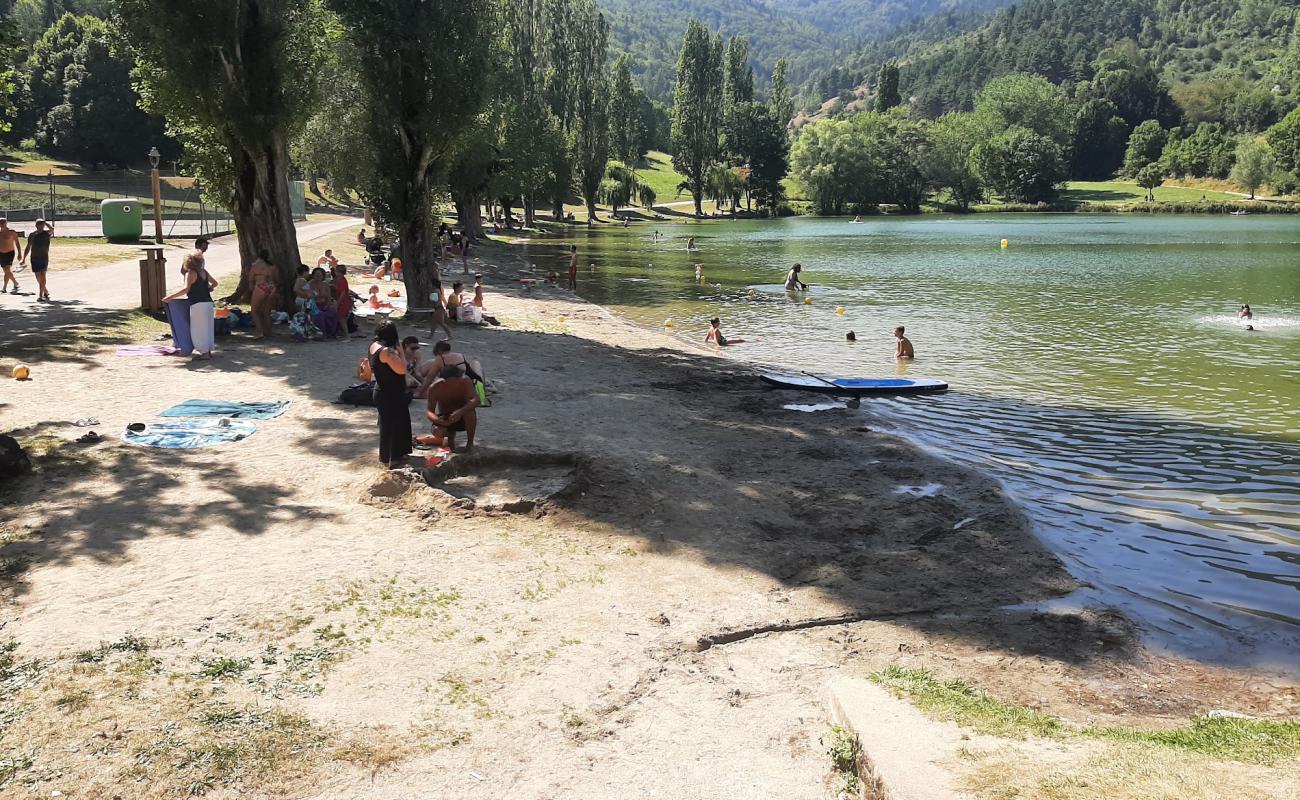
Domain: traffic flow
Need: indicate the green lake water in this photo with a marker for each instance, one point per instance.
(1097, 369)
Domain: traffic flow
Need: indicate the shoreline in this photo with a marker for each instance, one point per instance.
(560, 634)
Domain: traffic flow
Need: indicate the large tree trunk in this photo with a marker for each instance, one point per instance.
(507, 211)
(699, 209)
(418, 265)
(263, 217)
(467, 212)
(528, 211)
(557, 206)
(591, 209)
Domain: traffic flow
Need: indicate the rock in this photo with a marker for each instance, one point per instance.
(1220, 713)
(13, 460)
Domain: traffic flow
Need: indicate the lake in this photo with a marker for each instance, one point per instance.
(1097, 369)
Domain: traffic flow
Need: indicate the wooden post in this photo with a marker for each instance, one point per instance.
(157, 207)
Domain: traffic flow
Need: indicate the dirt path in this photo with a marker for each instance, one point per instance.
(626, 639)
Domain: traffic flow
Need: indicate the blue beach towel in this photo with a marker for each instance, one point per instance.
(221, 408)
(191, 433)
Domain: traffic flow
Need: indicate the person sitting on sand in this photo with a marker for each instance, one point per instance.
(327, 314)
(452, 404)
(715, 334)
(416, 372)
(904, 349)
(443, 357)
(792, 282)
(376, 301)
(454, 300)
(1245, 312)
(362, 239)
(327, 261)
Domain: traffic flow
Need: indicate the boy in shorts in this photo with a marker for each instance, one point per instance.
(8, 252)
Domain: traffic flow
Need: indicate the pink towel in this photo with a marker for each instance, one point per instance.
(146, 350)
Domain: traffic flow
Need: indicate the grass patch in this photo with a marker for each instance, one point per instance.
(1128, 192)
(222, 667)
(844, 752)
(459, 694)
(376, 603)
(1253, 741)
(656, 169)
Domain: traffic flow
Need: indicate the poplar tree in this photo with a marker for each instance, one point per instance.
(589, 142)
(236, 80)
(737, 94)
(887, 95)
(624, 114)
(697, 109)
(423, 65)
(782, 104)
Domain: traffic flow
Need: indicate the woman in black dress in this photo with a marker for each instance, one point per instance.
(389, 369)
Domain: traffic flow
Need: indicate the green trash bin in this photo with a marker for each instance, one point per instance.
(122, 220)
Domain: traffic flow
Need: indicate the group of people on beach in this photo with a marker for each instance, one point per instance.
(35, 253)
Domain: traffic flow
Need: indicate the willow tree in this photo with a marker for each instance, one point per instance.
(697, 109)
(423, 66)
(236, 80)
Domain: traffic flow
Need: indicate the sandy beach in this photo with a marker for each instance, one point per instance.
(663, 626)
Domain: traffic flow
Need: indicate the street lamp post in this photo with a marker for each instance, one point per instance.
(154, 158)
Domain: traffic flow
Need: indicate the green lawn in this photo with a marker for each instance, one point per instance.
(657, 170)
(1107, 192)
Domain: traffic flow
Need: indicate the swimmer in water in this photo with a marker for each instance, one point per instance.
(699, 273)
(690, 244)
(715, 334)
(857, 219)
(904, 349)
(1245, 312)
(792, 282)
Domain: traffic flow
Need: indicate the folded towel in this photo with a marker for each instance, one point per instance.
(222, 408)
(191, 433)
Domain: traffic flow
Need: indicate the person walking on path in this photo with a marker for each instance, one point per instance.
(389, 369)
(8, 252)
(262, 275)
(198, 290)
(573, 268)
(37, 253)
(439, 308)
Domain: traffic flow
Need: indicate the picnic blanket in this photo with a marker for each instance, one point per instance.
(191, 433)
(363, 308)
(222, 408)
(146, 350)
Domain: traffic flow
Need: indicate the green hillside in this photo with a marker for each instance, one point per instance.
(1224, 46)
(812, 35)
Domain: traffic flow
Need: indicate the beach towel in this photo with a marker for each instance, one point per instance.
(222, 408)
(191, 433)
(146, 350)
(178, 316)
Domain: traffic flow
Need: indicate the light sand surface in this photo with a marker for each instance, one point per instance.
(546, 654)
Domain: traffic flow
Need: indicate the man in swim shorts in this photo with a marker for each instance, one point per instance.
(904, 349)
(8, 252)
(452, 404)
(37, 253)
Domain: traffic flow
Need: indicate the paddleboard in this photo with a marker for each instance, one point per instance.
(854, 387)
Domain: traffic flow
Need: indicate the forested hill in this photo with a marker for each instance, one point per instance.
(812, 35)
(947, 58)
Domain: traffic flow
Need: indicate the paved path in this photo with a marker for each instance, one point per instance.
(117, 285)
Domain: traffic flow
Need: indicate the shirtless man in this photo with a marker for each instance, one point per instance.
(903, 350)
(38, 251)
(8, 252)
(452, 404)
(328, 261)
(573, 268)
(262, 275)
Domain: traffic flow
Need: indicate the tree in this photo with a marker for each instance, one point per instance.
(1284, 138)
(589, 139)
(724, 185)
(1127, 79)
(84, 106)
(336, 132)
(1026, 101)
(1021, 165)
(235, 81)
(947, 161)
(625, 135)
(1255, 164)
(737, 94)
(1145, 145)
(422, 66)
(769, 159)
(697, 109)
(1099, 139)
(8, 73)
(828, 161)
(782, 104)
(1149, 177)
(1208, 152)
(887, 96)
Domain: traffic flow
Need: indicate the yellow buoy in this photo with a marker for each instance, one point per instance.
(807, 301)
(839, 312)
(668, 323)
(21, 372)
(563, 318)
(1005, 243)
